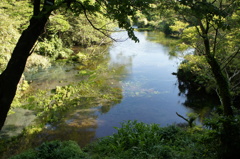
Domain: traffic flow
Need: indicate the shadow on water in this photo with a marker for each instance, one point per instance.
(201, 101)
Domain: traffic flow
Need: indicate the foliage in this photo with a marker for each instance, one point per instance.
(94, 85)
(21, 90)
(178, 27)
(81, 33)
(207, 28)
(18, 12)
(58, 24)
(219, 126)
(36, 61)
(193, 73)
(53, 150)
(8, 36)
(139, 140)
(54, 49)
(13, 19)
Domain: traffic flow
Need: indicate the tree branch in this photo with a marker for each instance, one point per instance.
(36, 8)
(215, 41)
(182, 117)
(230, 58)
(234, 74)
(98, 29)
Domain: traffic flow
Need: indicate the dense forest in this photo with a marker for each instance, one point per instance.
(37, 34)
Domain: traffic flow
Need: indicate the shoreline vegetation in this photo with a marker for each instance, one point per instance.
(134, 139)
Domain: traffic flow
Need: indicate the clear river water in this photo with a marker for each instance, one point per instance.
(149, 90)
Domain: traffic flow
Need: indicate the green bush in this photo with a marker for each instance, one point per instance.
(54, 150)
(140, 140)
(54, 48)
(224, 134)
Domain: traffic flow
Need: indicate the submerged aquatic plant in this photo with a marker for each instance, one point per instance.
(135, 89)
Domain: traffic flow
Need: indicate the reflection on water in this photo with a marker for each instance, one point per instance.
(149, 88)
(57, 75)
(141, 72)
(18, 121)
(79, 126)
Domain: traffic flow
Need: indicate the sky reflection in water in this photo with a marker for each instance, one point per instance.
(150, 93)
(149, 88)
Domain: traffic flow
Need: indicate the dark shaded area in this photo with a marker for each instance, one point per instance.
(197, 98)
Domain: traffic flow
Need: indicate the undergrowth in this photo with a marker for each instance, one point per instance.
(135, 140)
(140, 140)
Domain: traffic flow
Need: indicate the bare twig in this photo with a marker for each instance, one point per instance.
(230, 58)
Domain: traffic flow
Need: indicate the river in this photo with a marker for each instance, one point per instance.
(149, 92)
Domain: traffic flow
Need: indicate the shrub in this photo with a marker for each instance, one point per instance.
(54, 48)
(53, 150)
(140, 140)
(36, 61)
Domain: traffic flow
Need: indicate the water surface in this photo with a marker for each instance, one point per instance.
(150, 92)
(143, 74)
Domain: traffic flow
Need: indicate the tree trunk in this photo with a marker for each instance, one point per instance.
(11, 75)
(228, 147)
(222, 81)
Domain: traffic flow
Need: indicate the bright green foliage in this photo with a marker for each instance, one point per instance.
(61, 99)
(195, 71)
(189, 39)
(58, 24)
(54, 49)
(14, 16)
(93, 86)
(19, 12)
(81, 33)
(8, 37)
(178, 27)
(53, 150)
(216, 20)
(139, 140)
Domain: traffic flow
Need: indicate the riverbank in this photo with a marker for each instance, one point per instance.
(96, 92)
(134, 140)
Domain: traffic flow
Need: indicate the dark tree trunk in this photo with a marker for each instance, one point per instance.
(222, 81)
(11, 75)
(228, 149)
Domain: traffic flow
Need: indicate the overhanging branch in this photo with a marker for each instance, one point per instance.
(90, 22)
